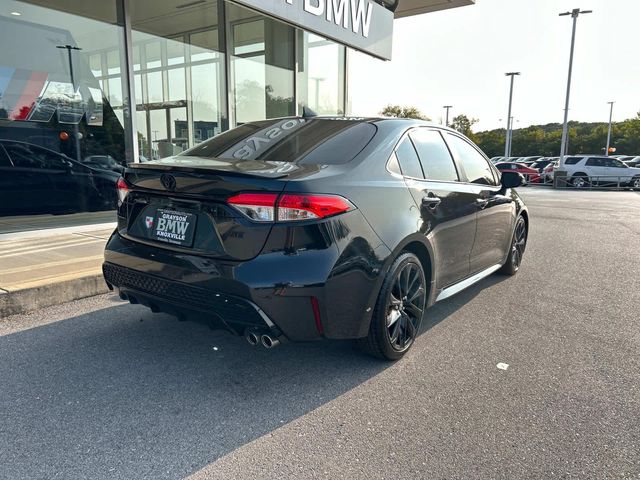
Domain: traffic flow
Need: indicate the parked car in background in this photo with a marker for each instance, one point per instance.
(339, 228)
(547, 173)
(542, 162)
(585, 170)
(529, 160)
(34, 179)
(103, 162)
(632, 161)
(531, 175)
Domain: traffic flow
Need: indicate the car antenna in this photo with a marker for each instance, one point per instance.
(308, 113)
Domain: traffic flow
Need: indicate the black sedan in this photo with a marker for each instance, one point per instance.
(300, 229)
(34, 179)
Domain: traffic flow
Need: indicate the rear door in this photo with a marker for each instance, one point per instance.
(597, 169)
(495, 210)
(446, 206)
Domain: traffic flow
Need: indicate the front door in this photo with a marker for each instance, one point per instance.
(495, 210)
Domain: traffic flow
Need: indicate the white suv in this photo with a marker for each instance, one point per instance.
(583, 170)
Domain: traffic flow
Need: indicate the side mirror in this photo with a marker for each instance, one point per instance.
(512, 179)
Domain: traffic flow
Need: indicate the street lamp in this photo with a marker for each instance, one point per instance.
(447, 107)
(575, 13)
(609, 132)
(69, 49)
(507, 141)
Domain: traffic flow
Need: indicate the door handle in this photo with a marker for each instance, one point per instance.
(431, 201)
(482, 202)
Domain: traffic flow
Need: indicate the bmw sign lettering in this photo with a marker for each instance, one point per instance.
(361, 24)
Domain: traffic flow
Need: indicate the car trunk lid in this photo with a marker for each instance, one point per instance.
(180, 204)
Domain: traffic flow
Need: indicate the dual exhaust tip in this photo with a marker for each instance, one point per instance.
(267, 340)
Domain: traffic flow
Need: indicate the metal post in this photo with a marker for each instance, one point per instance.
(447, 108)
(609, 132)
(510, 136)
(76, 127)
(565, 126)
(507, 143)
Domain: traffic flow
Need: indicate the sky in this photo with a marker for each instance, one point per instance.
(459, 57)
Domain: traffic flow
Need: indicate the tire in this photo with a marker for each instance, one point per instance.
(580, 180)
(398, 312)
(516, 249)
(635, 183)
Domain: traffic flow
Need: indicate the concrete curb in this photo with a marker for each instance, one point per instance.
(30, 299)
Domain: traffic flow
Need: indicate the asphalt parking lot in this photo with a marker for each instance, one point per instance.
(103, 389)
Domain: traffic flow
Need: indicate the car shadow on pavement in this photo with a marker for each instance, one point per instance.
(124, 393)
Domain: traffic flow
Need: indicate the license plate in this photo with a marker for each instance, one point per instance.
(175, 227)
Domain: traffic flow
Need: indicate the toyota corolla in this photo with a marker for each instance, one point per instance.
(300, 229)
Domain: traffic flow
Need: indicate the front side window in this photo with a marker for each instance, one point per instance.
(616, 163)
(474, 164)
(434, 155)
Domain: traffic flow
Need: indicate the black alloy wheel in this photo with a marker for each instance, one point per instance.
(518, 246)
(398, 313)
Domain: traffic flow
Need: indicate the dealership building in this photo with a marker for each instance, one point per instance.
(88, 86)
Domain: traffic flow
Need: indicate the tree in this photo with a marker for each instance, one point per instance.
(463, 124)
(584, 138)
(397, 111)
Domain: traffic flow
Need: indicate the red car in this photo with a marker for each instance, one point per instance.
(531, 174)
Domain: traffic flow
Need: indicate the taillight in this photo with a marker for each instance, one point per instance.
(293, 207)
(267, 207)
(259, 207)
(123, 190)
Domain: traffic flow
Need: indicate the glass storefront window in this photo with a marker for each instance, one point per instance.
(321, 74)
(180, 94)
(61, 109)
(262, 65)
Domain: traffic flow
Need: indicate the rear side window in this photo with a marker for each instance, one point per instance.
(293, 140)
(475, 165)
(408, 159)
(434, 155)
(572, 160)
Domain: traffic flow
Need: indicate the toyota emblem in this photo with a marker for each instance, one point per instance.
(169, 181)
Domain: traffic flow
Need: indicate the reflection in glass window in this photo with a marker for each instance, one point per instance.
(61, 90)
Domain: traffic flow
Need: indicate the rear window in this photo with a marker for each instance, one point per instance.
(4, 158)
(295, 140)
(572, 160)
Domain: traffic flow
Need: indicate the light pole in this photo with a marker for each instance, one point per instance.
(69, 49)
(609, 132)
(575, 13)
(507, 141)
(447, 107)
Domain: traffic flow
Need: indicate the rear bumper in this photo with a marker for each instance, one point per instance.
(231, 312)
(311, 293)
